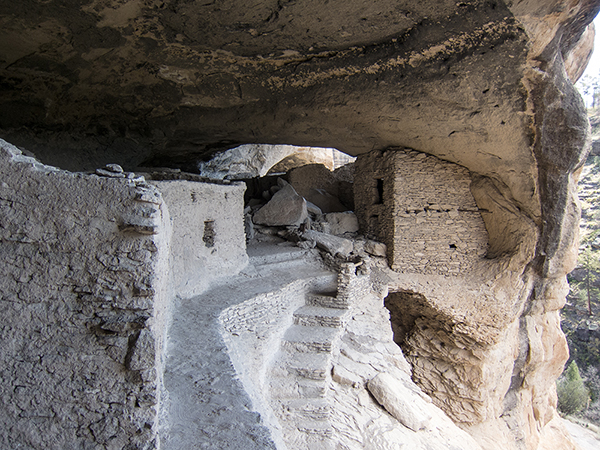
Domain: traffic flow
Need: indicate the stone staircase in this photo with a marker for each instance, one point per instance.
(301, 373)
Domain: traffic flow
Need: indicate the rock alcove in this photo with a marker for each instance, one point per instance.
(136, 316)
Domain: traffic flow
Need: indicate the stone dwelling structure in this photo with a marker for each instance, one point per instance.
(134, 315)
(88, 279)
(422, 208)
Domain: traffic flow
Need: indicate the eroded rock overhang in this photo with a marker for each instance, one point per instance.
(168, 83)
(478, 83)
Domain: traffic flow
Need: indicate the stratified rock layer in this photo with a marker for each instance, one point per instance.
(481, 84)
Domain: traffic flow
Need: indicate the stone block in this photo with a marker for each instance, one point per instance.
(332, 244)
(375, 248)
(285, 208)
(342, 222)
(402, 403)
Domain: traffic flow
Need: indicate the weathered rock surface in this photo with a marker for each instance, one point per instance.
(316, 396)
(340, 223)
(329, 157)
(285, 208)
(330, 190)
(326, 202)
(245, 161)
(481, 84)
(375, 248)
(410, 409)
(332, 244)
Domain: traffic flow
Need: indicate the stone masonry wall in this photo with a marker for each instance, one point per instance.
(422, 208)
(83, 306)
(373, 178)
(88, 268)
(208, 238)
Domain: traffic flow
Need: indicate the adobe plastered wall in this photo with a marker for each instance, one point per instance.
(423, 209)
(208, 238)
(89, 266)
(82, 301)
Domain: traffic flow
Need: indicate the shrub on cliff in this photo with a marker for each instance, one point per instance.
(573, 396)
(591, 377)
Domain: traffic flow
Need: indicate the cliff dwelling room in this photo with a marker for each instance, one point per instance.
(284, 224)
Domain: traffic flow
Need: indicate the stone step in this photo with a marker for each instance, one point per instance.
(309, 409)
(312, 366)
(311, 388)
(306, 339)
(299, 387)
(318, 316)
(328, 300)
(322, 429)
(326, 442)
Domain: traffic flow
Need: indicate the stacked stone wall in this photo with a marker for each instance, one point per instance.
(423, 209)
(373, 178)
(80, 304)
(88, 268)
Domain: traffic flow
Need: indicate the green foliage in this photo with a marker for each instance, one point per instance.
(587, 239)
(588, 260)
(573, 396)
(585, 350)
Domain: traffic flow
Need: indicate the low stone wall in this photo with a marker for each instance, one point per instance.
(423, 209)
(82, 307)
(208, 238)
(89, 266)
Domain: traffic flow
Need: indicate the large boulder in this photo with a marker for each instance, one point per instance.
(285, 208)
(330, 190)
(326, 202)
(341, 222)
(404, 404)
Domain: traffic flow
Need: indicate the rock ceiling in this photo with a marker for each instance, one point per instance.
(150, 82)
(481, 83)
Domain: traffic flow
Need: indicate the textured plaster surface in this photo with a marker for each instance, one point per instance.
(208, 240)
(483, 84)
(83, 303)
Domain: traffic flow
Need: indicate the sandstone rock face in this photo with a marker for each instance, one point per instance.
(245, 161)
(329, 157)
(579, 57)
(479, 84)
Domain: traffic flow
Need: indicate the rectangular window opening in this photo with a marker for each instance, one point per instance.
(379, 196)
(209, 233)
